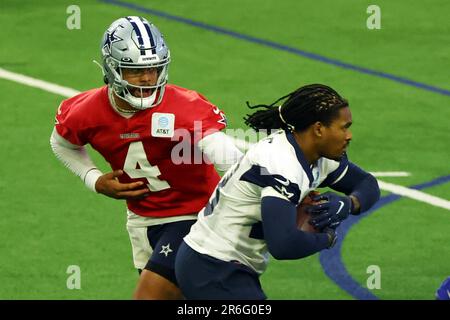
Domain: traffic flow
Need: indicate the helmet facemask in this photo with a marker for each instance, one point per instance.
(124, 89)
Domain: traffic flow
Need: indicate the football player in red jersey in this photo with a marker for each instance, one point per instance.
(135, 122)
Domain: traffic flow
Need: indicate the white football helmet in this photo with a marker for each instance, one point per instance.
(133, 42)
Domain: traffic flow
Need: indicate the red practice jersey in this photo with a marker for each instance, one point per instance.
(150, 145)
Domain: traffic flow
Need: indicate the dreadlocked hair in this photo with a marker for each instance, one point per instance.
(300, 109)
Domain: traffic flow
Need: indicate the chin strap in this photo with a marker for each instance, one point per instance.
(114, 104)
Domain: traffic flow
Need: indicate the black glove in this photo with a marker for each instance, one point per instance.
(330, 213)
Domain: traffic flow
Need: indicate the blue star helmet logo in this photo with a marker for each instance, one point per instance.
(110, 38)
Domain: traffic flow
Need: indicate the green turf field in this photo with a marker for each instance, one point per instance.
(51, 221)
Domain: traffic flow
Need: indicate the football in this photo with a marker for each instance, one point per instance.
(303, 216)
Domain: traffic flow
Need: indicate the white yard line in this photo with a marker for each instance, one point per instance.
(241, 144)
(390, 174)
(414, 194)
(37, 83)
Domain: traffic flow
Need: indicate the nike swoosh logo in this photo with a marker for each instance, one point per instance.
(216, 110)
(340, 206)
(448, 293)
(283, 182)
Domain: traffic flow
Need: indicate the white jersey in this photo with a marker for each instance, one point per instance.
(229, 228)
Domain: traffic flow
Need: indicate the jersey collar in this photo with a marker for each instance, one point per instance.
(300, 157)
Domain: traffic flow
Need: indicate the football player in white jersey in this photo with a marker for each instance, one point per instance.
(253, 210)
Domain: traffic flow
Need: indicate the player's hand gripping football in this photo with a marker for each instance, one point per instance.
(304, 223)
(303, 216)
(331, 211)
(109, 185)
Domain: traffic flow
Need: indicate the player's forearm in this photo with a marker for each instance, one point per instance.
(76, 159)
(221, 150)
(361, 186)
(284, 239)
(366, 193)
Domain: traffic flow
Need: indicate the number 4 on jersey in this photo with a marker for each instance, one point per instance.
(137, 166)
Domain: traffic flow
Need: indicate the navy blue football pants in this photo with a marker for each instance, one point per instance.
(200, 276)
(165, 240)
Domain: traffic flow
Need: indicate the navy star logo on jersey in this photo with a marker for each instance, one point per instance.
(110, 39)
